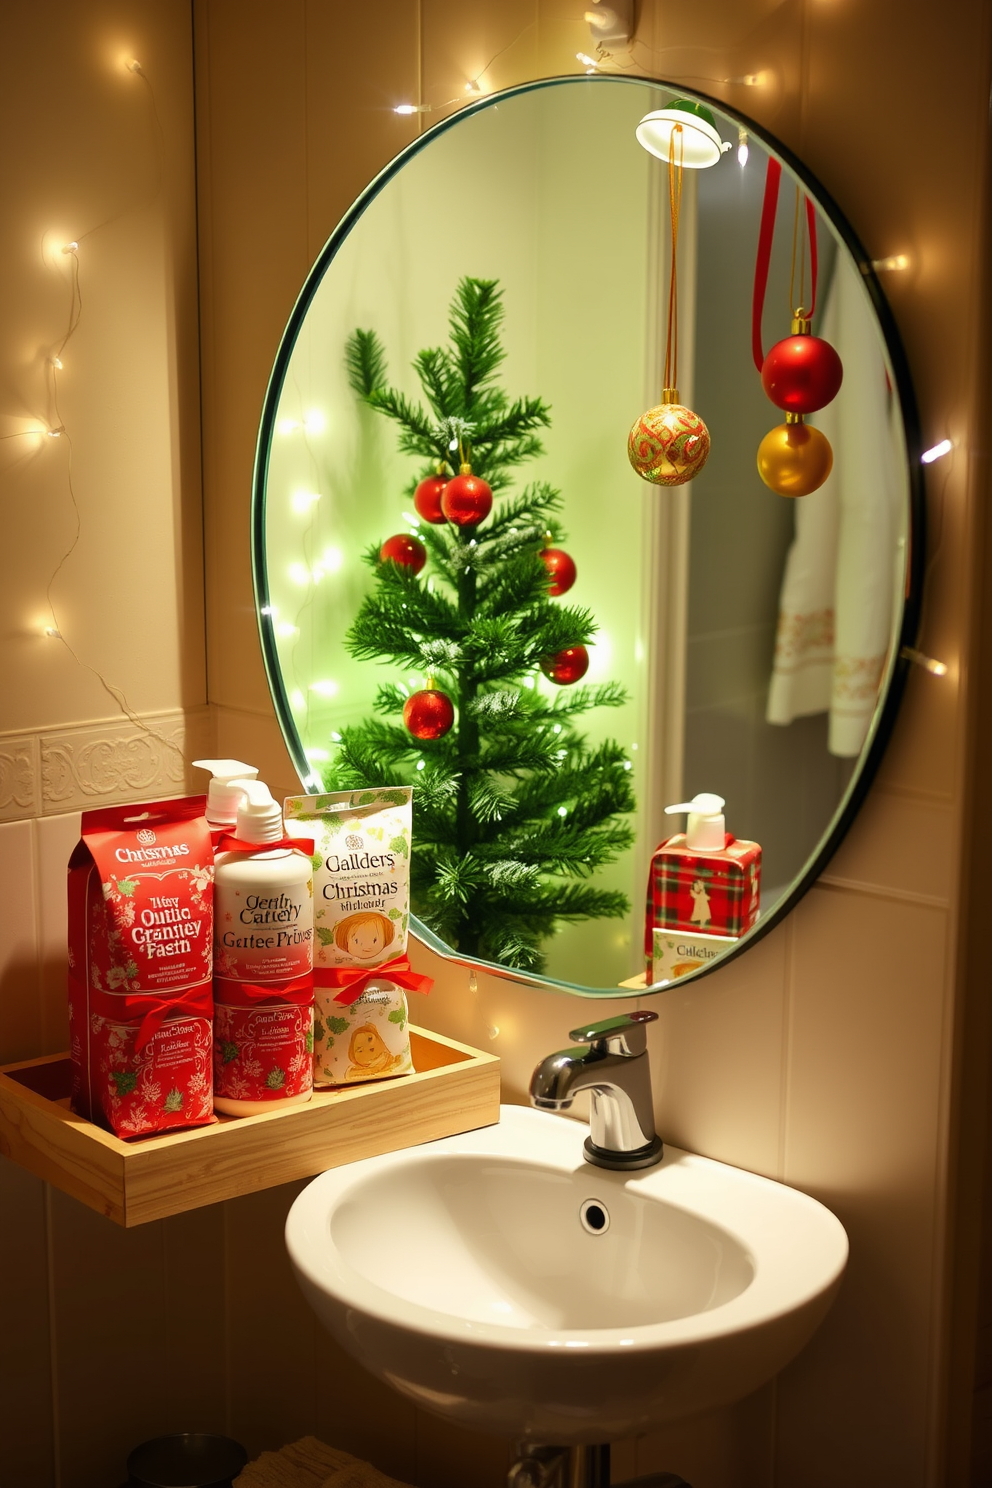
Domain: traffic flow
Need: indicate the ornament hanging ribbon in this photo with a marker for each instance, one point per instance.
(668, 445)
(353, 980)
(296, 990)
(766, 233)
(304, 845)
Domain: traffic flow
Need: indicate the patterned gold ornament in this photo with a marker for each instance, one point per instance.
(794, 459)
(669, 444)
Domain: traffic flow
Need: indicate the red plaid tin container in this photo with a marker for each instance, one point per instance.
(712, 893)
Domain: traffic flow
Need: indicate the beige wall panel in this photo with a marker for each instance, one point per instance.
(20, 1018)
(496, 44)
(252, 187)
(864, 1134)
(55, 838)
(194, 1382)
(733, 1449)
(358, 1413)
(113, 1312)
(718, 1059)
(352, 131)
(444, 1453)
(26, 1425)
(107, 161)
(901, 845)
(271, 1332)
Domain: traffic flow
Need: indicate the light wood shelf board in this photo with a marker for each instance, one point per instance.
(455, 1088)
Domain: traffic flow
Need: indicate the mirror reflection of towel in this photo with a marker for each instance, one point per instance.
(837, 603)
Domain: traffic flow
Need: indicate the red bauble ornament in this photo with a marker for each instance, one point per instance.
(407, 551)
(428, 714)
(566, 666)
(561, 570)
(802, 373)
(466, 500)
(427, 498)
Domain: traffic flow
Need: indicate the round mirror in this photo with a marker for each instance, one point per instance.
(463, 585)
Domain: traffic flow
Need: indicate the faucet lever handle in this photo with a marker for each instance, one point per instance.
(625, 1035)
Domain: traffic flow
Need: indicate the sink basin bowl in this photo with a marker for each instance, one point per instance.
(501, 1282)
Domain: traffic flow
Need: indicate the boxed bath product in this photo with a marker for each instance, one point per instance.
(703, 881)
(140, 959)
(677, 952)
(361, 918)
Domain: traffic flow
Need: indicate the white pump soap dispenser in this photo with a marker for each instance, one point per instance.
(706, 827)
(224, 794)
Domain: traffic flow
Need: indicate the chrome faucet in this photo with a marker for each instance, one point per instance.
(612, 1064)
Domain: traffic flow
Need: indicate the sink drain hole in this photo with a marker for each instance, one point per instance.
(594, 1217)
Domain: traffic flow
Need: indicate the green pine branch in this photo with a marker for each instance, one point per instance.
(514, 811)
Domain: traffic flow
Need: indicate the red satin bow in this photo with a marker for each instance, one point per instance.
(353, 980)
(298, 991)
(196, 1003)
(235, 844)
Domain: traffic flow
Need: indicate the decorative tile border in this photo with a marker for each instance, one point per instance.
(100, 763)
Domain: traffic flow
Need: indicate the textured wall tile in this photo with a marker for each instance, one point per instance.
(20, 777)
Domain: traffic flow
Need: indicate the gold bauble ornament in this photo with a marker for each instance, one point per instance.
(668, 445)
(794, 459)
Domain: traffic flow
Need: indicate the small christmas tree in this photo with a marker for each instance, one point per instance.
(513, 808)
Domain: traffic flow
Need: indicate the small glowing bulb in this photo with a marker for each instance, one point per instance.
(742, 147)
(332, 560)
(56, 433)
(297, 699)
(287, 630)
(314, 422)
(420, 764)
(586, 60)
(288, 426)
(132, 64)
(54, 632)
(894, 261)
(556, 729)
(299, 573)
(562, 810)
(934, 453)
(453, 445)
(928, 663)
(316, 755)
(70, 247)
(493, 1030)
(326, 688)
(269, 610)
(55, 362)
(304, 500)
(335, 738)
(412, 108)
(473, 87)
(627, 765)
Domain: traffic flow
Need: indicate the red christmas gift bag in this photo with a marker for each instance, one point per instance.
(140, 954)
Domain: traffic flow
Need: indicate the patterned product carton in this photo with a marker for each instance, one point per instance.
(361, 920)
(140, 948)
(707, 893)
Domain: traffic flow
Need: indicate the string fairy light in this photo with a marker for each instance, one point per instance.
(54, 253)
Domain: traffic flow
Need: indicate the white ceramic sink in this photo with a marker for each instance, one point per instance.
(470, 1274)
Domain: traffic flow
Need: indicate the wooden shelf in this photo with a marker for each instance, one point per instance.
(455, 1089)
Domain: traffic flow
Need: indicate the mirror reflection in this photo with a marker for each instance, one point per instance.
(495, 317)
